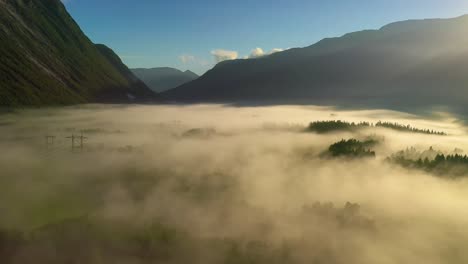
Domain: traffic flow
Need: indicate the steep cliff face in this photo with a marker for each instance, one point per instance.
(46, 59)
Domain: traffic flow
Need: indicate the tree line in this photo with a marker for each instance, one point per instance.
(338, 125)
(409, 128)
(451, 164)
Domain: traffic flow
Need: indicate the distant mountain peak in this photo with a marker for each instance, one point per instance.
(191, 73)
(164, 78)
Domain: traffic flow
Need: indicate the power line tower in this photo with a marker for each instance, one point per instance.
(77, 142)
(49, 140)
(82, 138)
(72, 143)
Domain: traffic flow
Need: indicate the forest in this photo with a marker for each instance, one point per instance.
(352, 148)
(338, 125)
(436, 162)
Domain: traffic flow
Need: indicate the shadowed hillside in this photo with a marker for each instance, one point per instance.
(411, 63)
(45, 58)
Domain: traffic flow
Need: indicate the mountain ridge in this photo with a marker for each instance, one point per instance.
(160, 79)
(400, 61)
(46, 59)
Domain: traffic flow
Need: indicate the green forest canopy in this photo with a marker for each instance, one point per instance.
(338, 125)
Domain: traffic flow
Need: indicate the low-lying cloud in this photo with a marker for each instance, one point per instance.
(259, 52)
(219, 184)
(223, 55)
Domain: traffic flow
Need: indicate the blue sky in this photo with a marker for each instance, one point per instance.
(195, 35)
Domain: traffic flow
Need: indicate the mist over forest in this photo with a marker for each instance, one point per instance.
(190, 136)
(222, 184)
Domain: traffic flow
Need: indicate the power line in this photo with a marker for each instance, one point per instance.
(77, 142)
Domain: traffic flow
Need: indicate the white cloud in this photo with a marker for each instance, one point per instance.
(259, 52)
(223, 55)
(275, 50)
(186, 58)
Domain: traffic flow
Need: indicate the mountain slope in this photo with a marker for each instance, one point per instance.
(411, 62)
(162, 79)
(45, 59)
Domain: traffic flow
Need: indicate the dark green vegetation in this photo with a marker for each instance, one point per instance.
(387, 67)
(162, 79)
(353, 148)
(435, 162)
(46, 59)
(332, 126)
(408, 128)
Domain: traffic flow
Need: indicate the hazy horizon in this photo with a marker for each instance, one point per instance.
(189, 36)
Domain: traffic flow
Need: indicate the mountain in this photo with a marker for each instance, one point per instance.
(416, 62)
(162, 79)
(45, 59)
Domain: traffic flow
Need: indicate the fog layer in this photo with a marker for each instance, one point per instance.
(219, 184)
